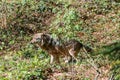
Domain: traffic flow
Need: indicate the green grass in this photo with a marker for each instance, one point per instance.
(93, 23)
(15, 68)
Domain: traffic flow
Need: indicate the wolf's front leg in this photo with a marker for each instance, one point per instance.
(54, 57)
(51, 59)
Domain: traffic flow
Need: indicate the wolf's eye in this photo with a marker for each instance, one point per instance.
(38, 39)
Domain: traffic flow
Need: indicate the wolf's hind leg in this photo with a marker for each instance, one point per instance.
(67, 59)
(73, 53)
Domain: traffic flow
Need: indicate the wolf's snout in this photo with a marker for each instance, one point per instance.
(35, 40)
(32, 41)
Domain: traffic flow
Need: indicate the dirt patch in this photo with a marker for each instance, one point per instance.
(78, 73)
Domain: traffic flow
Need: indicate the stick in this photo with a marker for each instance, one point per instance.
(93, 64)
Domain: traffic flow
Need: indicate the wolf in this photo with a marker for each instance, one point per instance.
(68, 49)
(48, 44)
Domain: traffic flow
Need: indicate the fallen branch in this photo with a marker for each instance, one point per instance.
(91, 61)
(112, 76)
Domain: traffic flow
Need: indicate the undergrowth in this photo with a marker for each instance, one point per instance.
(94, 23)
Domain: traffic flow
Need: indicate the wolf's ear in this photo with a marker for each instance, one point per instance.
(43, 35)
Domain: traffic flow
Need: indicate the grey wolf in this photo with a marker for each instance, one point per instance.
(68, 49)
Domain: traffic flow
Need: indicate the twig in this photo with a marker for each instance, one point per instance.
(93, 64)
(4, 14)
(112, 76)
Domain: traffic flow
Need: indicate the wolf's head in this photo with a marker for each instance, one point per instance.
(41, 38)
